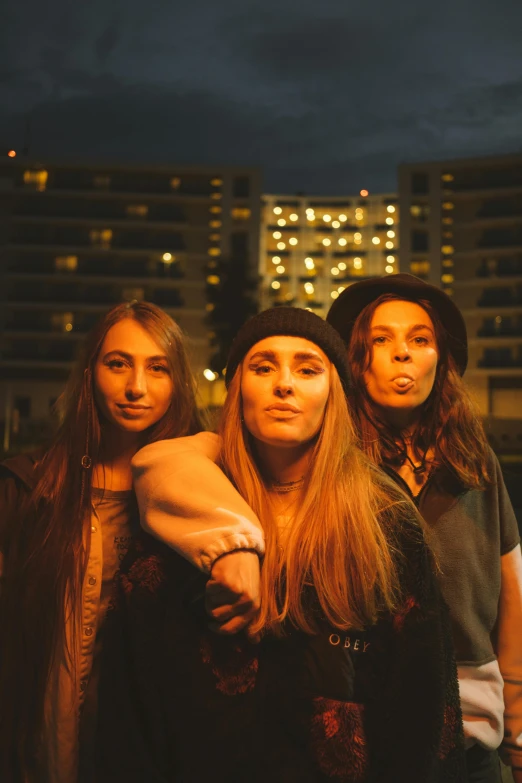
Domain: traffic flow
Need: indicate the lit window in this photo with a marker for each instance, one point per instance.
(388, 269)
(277, 235)
(281, 245)
(448, 250)
(175, 182)
(389, 221)
(66, 263)
(364, 193)
(334, 294)
(357, 241)
(276, 284)
(293, 241)
(36, 179)
(342, 241)
(216, 182)
(342, 266)
(390, 208)
(309, 288)
(390, 259)
(280, 270)
(167, 257)
(137, 210)
(447, 177)
(101, 237)
(277, 210)
(357, 236)
(216, 210)
(327, 218)
(276, 260)
(448, 205)
(216, 196)
(62, 322)
(390, 234)
(327, 242)
(240, 213)
(294, 217)
(213, 280)
(101, 182)
(389, 245)
(448, 221)
(420, 268)
(309, 263)
(447, 263)
(357, 263)
(214, 251)
(334, 270)
(376, 240)
(215, 224)
(215, 237)
(281, 222)
(343, 218)
(447, 279)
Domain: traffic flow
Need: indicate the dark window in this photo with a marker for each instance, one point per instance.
(23, 406)
(419, 242)
(241, 187)
(239, 245)
(420, 183)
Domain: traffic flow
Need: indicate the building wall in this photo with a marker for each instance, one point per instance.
(312, 247)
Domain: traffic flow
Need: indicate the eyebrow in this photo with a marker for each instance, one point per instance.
(271, 356)
(130, 357)
(414, 328)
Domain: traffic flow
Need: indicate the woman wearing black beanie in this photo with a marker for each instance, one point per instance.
(353, 678)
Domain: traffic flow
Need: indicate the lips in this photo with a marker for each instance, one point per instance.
(129, 406)
(283, 408)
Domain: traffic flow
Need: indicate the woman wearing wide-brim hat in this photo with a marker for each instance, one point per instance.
(407, 348)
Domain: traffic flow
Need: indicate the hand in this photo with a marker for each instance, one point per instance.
(232, 592)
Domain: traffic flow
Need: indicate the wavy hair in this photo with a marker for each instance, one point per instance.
(341, 541)
(450, 425)
(46, 558)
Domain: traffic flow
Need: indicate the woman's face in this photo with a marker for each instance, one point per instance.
(404, 355)
(132, 381)
(285, 384)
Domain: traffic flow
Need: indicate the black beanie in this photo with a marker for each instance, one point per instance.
(294, 322)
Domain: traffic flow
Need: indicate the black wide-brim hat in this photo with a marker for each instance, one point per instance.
(347, 307)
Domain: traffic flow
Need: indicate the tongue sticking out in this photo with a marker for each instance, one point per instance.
(403, 381)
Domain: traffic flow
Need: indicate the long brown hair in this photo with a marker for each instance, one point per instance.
(450, 424)
(341, 540)
(45, 564)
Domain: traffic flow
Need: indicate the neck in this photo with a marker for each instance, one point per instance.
(403, 420)
(113, 467)
(282, 465)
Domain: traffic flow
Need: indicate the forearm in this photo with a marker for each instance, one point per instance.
(510, 654)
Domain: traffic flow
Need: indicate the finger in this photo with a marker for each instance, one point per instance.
(233, 626)
(224, 613)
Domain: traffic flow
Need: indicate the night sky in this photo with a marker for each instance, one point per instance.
(326, 96)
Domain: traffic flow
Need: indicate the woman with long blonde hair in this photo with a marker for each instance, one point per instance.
(353, 679)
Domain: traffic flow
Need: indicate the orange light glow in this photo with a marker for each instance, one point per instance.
(11, 154)
(364, 193)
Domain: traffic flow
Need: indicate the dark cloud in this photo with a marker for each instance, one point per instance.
(326, 97)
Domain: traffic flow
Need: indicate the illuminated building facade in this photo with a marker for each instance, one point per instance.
(77, 239)
(313, 247)
(461, 228)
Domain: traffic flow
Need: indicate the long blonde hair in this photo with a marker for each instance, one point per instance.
(341, 540)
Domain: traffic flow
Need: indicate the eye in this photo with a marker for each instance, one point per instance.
(379, 340)
(419, 340)
(311, 371)
(159, 368)
(115, 364)
(261, 369)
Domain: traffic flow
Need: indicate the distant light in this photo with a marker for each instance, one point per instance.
(342, 266)
(276, 260)
(343, 218)
(280, 270)
(167, 257)
(364, 193)
(389, 269)
(277, 210)
(341, 289)
(390, 234)
(209, 375)
(11, 154)
(309, 288)
(334, 294)
(68, 327)
(357, 236)
(334, 270)
(294, 217)
(276, 284)
(342, 241)
(213, 280)
(277, 235)
(390, 208)
(389, 221)
(389, 245)
(376, 240)
(390, 259)
(309, 263)
(292, 241)
(281, 245)
(281, 222)
(357, 263)
(335, 224)
(327, 218)
(327, 242)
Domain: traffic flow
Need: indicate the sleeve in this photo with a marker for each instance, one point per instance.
(510, 654)
(420, 703)
(509, 534)
(187, 502)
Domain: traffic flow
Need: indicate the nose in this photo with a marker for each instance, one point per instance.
(136, 384)
(284, 383)
(401, 351)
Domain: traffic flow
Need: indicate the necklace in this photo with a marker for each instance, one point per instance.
(282, 487)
